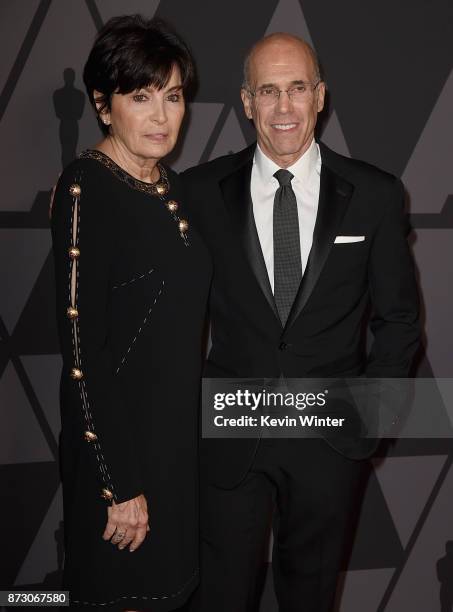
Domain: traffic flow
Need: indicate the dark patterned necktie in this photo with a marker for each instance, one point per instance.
(287, 262)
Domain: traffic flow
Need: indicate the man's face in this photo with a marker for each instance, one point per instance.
(285, 128)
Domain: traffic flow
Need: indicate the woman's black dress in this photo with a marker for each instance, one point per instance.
(132, 283)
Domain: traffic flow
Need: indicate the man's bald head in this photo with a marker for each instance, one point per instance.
(278, 40)
(283, 94)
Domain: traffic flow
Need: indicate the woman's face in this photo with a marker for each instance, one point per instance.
(146, 122)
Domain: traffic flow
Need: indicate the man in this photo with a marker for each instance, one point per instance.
(302, 240)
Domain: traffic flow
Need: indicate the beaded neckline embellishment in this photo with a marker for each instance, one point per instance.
(159, 189)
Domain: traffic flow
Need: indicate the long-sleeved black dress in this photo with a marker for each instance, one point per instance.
(132, 278)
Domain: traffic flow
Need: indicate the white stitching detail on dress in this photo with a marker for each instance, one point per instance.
(136, 278)
(109, 603)
(102, 461)
(123, 360)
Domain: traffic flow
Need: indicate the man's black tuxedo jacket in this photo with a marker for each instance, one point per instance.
(323, 336)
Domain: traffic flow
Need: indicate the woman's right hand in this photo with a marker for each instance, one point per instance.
(127, 523)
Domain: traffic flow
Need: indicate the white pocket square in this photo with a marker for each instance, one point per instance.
(345, 239)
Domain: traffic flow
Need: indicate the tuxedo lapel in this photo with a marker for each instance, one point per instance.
(334, 195)
(235, 190)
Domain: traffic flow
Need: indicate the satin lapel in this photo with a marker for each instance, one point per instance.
(334, 195)
(236, 194)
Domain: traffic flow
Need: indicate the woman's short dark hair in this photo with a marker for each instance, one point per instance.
(131, 52)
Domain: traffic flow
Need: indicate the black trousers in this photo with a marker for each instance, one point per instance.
(311, 494)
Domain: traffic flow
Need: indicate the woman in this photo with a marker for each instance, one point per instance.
(132, 280)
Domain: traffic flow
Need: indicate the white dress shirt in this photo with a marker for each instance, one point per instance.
(305, 184)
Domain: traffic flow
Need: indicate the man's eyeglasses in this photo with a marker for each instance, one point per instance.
(267, 96)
